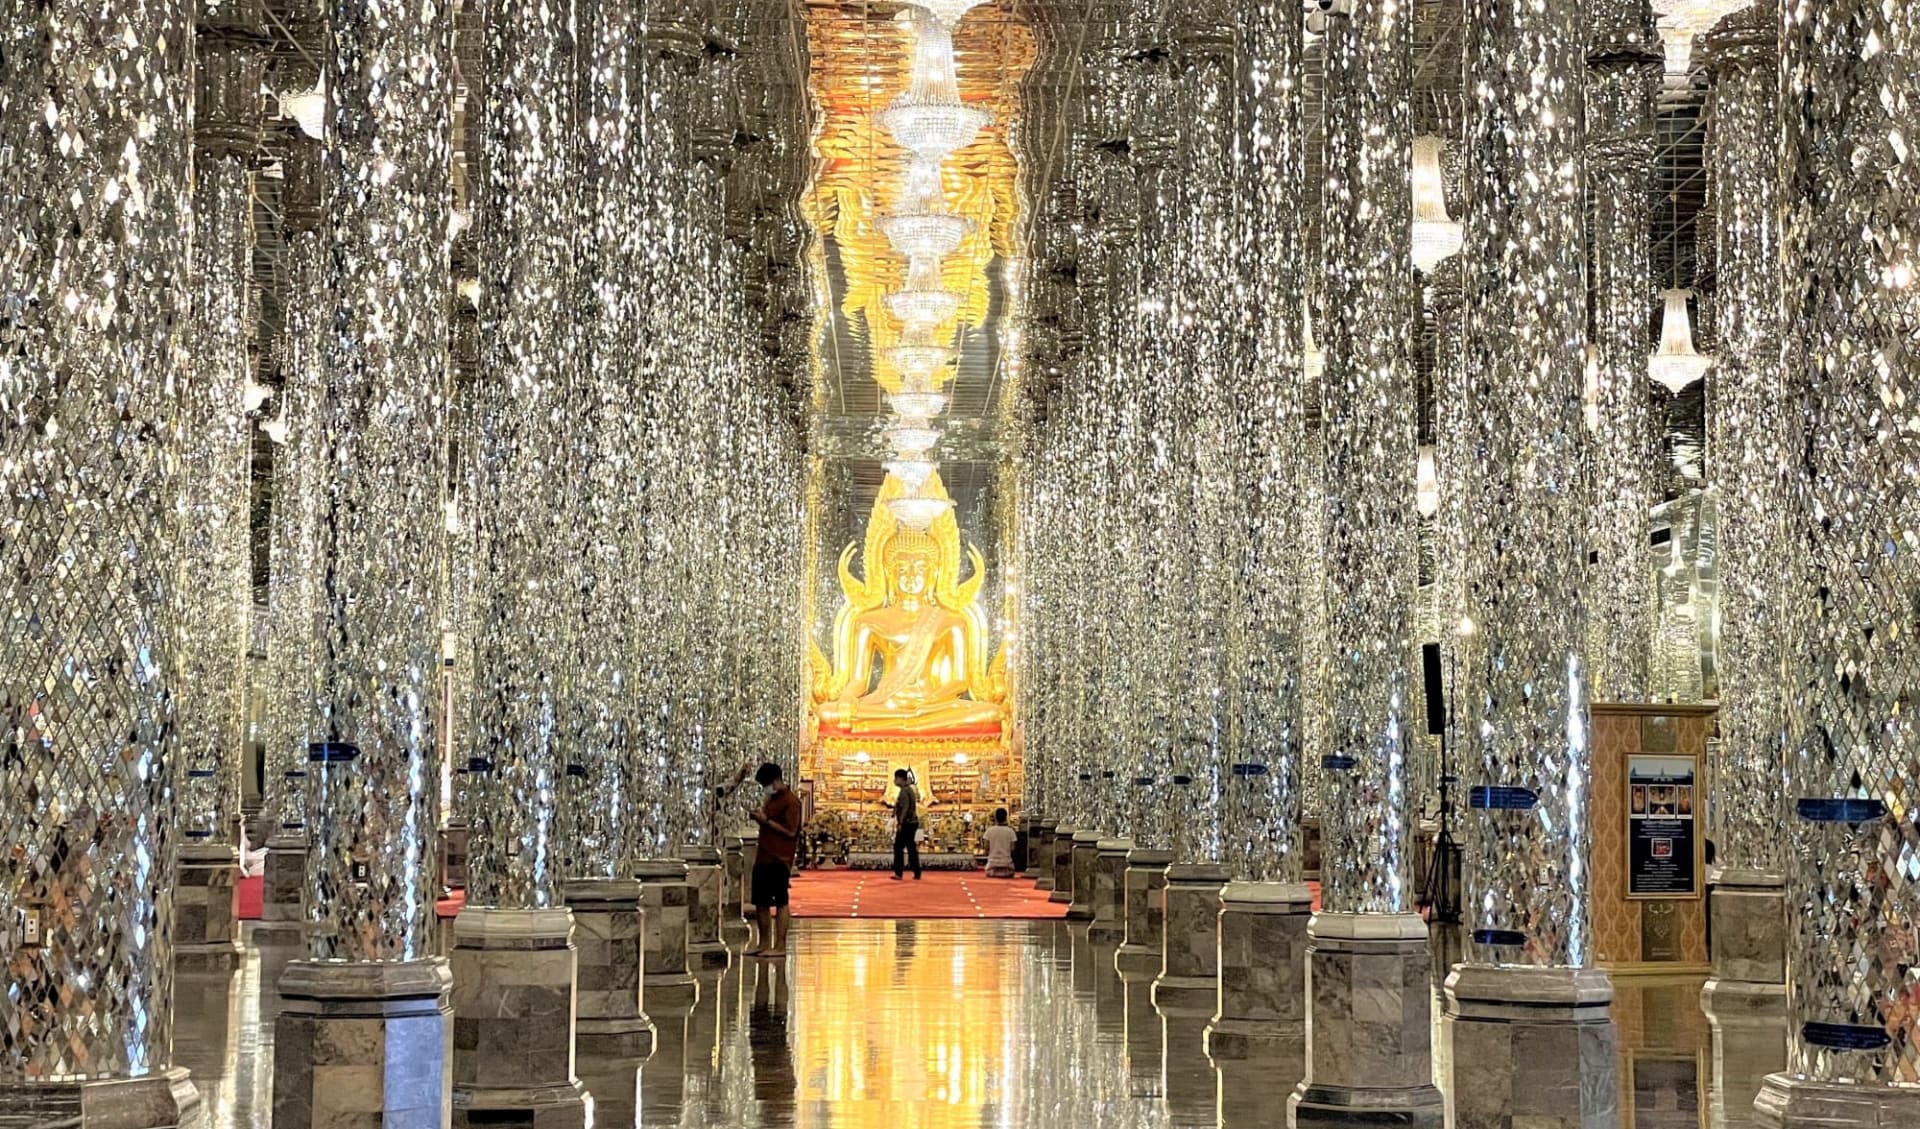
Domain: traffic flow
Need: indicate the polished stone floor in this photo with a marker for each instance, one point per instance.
(943, 1024)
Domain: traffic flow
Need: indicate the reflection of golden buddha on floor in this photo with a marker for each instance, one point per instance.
(909, 645)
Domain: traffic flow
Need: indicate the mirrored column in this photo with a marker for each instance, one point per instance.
(1261, 1013)
(1850, 251)
(213, 593)
(1529, 1034)
(1757, 433)
(96, 119)
(1366, 946)
(371, 1000)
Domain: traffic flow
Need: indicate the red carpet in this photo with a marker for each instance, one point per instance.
(250, 893)
(942, 893)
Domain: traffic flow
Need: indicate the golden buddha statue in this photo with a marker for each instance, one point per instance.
(909, 646)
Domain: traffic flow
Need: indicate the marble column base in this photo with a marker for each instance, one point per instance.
(1036, 842)
(1369, 998)
(614, 1084)
(206, 908)
(164, 1099)
(1144, 910)
(1062, 865)
(1531, 1048)
(513, 1005)
(665, 894)
(1040, 856)
(705, 883)
(733, 918)
(1263, 975)
(1748, 910)
(1086, 849)
(283, 884)
(363, 1045)
(749, 853)
(1109, 895)
(1189, 981)
(609, 929)
(1787, 1102)
(1749, 1035)
(1745, 1000)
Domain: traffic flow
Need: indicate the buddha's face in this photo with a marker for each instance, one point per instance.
(911, 572)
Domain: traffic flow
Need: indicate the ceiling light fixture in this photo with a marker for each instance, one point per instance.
(309, 108)
(920, 363)
(911, 438)
(913, 472)
(948, 12)
(1435, 237)
(1675, 364)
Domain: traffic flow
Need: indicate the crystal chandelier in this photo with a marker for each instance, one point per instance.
(1435, 237)
(1426, 483)
(948, 12)
(932, 129)
(913, 472)
(929, 119)
(923, 304)
(916, 511)
(924, 234)
(921, 227)
(911, 437)
(1313, 362)
(1680, 21)
(919, 363)
(1674, 364)
(308, 108)
(923, 308)
(918, 402)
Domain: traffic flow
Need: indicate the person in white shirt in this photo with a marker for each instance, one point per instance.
(1000, 840)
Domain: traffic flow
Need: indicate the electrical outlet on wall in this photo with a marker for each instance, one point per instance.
(29, 930)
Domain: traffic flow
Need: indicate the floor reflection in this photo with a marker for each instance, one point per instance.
(959, 1024)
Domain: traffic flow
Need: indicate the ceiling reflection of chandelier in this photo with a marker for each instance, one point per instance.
(920, 363)
(917, 512)
(948, 12)
(913, 472)
(923, 307)
(930, 120)
(911, 438)
(924, 233)
(932, 129)
(922, 404)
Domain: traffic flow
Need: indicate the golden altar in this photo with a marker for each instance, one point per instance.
(912, 682)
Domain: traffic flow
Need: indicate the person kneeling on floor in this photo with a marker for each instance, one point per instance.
(1000, 839)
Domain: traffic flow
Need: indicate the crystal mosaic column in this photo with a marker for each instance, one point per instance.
(1756, 434)
(1263, 917)
(1623, 68)
(513, 953)
(1850, 253)
(293, 576)
(1367, 982)
(1527, 1020)
(364, 1038)
(213, 592)
(96, 115)
(609, 258)
(1188, 229)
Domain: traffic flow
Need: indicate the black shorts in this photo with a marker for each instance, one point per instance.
(770, 880)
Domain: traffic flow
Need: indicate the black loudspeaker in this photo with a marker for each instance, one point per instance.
(1436, 702)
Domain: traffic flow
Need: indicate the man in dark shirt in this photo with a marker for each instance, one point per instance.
(779, 820)
(906, 832)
